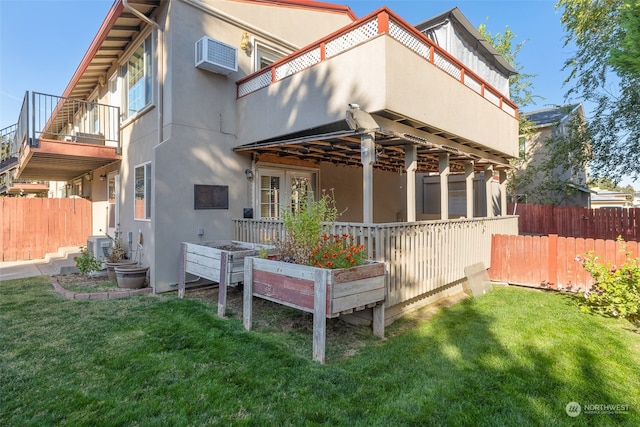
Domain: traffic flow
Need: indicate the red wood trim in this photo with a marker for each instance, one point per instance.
(383, 23)
(323, 51)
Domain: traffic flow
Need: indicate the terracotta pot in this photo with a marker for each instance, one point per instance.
(131, 276)
(111, 272)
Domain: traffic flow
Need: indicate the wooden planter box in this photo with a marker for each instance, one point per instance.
(326, 293)
(221, 261)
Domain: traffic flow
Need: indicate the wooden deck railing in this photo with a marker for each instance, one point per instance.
(420, 257)
(383, 21)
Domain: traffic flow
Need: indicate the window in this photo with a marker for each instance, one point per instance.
(137, 76)
(265, 56)
(142, 192)
(270, 195)
(279, 188)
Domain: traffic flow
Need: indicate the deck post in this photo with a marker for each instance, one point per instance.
(503, 192)
(411, 164)
(367, 158)
(443, 168)
(488, 180)
(468, 178)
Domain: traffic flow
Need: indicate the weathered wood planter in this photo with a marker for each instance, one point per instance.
(221, 261)
(324, 292)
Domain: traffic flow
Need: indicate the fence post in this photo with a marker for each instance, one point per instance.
(553, 261)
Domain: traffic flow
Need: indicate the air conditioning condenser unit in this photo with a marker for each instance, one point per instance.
(215, 56)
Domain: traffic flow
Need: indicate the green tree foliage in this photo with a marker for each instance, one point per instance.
(626, 57)
(600, 73)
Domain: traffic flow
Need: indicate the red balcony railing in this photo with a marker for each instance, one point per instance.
(382, 21)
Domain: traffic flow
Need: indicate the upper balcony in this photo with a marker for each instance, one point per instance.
(418, 93)
(59, 139)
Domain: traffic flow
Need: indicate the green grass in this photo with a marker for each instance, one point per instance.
(513, 357)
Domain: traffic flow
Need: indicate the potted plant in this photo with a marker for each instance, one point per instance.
(325, 274)
(117, 255)
(131, 276)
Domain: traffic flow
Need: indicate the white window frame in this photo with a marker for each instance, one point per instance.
(147, 79)
(269, 52)
(146, 192)
(286, 176)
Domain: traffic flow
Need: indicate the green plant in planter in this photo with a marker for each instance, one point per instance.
(306, 243)
(86, 262)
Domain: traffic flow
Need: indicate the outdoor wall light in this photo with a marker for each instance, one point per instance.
(88, 177)
(249, 174)
(245, 43)
(102, 80)
(103, 177)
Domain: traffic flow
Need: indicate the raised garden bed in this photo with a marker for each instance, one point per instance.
(221, 261)
(326, 293)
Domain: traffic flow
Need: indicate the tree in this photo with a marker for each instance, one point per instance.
(626, 57)
(601, 73)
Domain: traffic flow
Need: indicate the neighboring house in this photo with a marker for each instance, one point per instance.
(544, 173)
(609, 199)
(192, 120)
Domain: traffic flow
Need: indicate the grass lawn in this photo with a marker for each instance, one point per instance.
(513, 357)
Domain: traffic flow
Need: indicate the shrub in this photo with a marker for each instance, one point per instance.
(86, 262)
(616, 291)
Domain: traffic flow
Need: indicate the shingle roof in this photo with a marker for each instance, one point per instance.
(549, 116)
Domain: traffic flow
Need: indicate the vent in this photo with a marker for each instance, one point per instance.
(215, 56)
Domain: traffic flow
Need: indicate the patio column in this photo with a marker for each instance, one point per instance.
(468, 179)
(411, 164)
(503, 192)
(443, 168)
(488, 179)
(367, 158)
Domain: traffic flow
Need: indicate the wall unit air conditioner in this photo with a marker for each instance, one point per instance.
(215, 56)
(99, 246)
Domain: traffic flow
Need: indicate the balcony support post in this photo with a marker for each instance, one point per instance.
(411, 164)
(443, 168)
(488, 180)
(468, 178)
(368, 158)
(503, 192)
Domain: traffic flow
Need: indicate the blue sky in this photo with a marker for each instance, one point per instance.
(43, 41)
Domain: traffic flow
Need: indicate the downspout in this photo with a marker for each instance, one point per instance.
(160, 77)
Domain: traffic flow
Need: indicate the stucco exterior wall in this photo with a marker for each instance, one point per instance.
(379, 74)
(200, 130)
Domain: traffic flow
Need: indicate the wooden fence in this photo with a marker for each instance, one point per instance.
(575, 221)
(551, 261)
(32, 227)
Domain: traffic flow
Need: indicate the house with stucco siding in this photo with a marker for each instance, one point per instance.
(191, 120)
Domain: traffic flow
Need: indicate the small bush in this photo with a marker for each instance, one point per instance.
(616, 292)
(86, 262)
